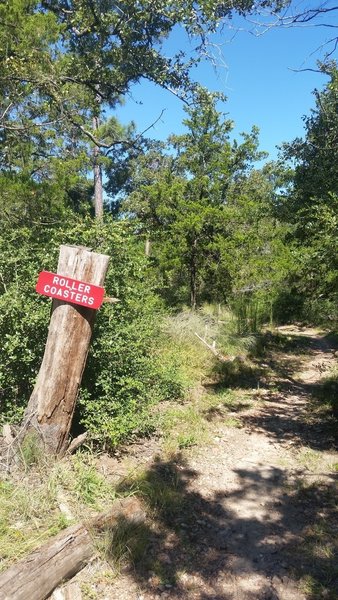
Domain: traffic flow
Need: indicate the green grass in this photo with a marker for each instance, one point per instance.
(46, 496)
(233, 422)
(90, 487)
(328, 392)
(29, 515)
(311, 459)
(315, 557)
(126, 543)
(44, 499)
(193, 360)
(159, 488)
(31, 452)
(182, 427)
(205, 379)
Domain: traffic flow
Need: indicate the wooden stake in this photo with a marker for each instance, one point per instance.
(51, 406)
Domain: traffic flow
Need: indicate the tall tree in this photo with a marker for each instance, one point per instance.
(316, 156)
(312, 204)
(64, 62)
(181, 199)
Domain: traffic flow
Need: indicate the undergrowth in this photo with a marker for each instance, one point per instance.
(45, 496)
(208, 356)
(37, 503)
(328, 392)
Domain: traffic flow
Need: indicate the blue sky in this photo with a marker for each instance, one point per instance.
(260, 76)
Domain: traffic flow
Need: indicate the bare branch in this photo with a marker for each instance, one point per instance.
(133, 143)
(94, 139)
(151, 126)
(31, 126)
(6, 111)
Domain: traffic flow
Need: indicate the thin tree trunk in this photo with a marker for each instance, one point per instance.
(98, 180)
(193, 276)
(51, 406)
(147, 248)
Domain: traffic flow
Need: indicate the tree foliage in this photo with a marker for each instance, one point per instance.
(311, 204)
(63, 63)
(208, 213)
(122, 375)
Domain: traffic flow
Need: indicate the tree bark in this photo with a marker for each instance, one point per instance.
(51, 406)
(193, 275)
(35, 577)
(98, 180)
(38, 575)
(147, 248)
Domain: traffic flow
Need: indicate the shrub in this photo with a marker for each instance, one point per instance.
(123, 376)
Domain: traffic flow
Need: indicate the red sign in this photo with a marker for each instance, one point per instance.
(69, 290)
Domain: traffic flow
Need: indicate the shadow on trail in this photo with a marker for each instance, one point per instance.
(199, 546)
(293, 411)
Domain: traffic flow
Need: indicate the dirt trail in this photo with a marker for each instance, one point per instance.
(246, 527)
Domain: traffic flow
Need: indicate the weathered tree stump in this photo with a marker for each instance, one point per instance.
(51, 406)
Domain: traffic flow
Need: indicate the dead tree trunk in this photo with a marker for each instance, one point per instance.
(36, 576)
(51, 406)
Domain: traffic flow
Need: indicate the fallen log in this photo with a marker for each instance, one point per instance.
(36, 576)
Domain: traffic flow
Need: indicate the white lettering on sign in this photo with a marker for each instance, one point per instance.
(69, 293)
(65, 288)
(77, 286)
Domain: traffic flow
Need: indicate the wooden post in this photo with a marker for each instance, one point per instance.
(51, 406)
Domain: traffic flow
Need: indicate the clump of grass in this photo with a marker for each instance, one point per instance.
(233, 422)
(316, 461)
(32, 504)
(181, 349)
(315, 557)
(30, 451)
(183, 427)
(224, 331)
(125, 543)
(90, 487)
(311, 459)
(29, 515)
(328, 392)
(319, 549)
(199, 369)
(185, 324)
(312, 588)
(160, 487)
(186, 440)
(194, 361)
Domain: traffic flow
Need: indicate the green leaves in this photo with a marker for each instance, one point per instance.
(63, 63)
(311, 205)
(186, 202)
(123, 376)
